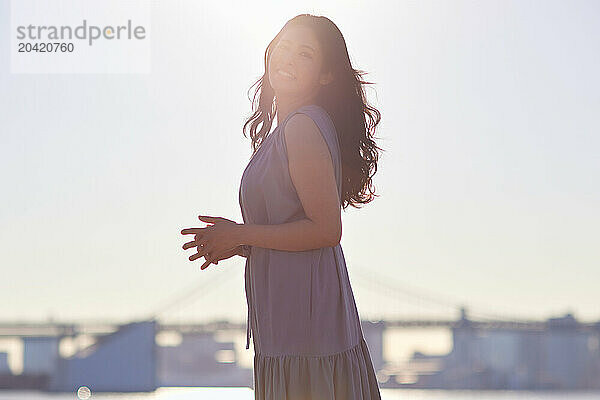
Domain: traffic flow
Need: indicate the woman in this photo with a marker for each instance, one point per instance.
(320, 158)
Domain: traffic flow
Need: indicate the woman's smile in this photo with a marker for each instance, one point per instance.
(286, 74)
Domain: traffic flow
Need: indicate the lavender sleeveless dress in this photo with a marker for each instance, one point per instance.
(306, 331)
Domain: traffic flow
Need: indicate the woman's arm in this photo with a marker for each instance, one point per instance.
(299, 235)
(313, 176)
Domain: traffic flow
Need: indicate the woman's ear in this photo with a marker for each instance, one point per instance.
(326, 78)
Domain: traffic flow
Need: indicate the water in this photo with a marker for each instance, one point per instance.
(175, 393)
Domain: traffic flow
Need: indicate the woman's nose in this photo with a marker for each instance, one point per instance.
(287, 58)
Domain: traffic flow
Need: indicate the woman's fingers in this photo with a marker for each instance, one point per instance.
(201, 242)
(208, 254)
(216, 256)
(195, 256)
(203, 250)
(196, 243)
(190, 244)
(201, 253)
(205, 265)
(207, 218)
(197, 232)
(189, 231)
(209, 260)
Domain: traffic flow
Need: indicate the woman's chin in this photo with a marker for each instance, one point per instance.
(283, 91)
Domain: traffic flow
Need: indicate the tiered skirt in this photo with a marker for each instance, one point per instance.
(347, 375)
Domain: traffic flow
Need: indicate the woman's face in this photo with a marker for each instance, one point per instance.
(295, 64)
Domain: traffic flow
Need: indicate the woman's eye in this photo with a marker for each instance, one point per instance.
(286, 47)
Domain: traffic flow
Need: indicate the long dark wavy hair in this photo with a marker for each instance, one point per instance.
(344, 100)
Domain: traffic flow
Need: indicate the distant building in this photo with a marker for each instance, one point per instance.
(562, 356)
(569, 355)
(558, 354)
(40, 354)
(123, 361)
(4, 368)
(199, 360)
(373, 333)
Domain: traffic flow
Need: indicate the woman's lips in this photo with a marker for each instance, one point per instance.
(286, 74)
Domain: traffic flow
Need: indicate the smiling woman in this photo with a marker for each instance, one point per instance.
(308, 338)
(319, 159)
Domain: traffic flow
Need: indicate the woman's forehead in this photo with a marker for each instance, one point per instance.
(301, 36)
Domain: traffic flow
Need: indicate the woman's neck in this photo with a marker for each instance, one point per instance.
(285, 107)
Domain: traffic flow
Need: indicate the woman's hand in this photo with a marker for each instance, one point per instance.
(214, 241)
(223, 256)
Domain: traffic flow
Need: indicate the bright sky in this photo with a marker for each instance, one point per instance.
(489, 183)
